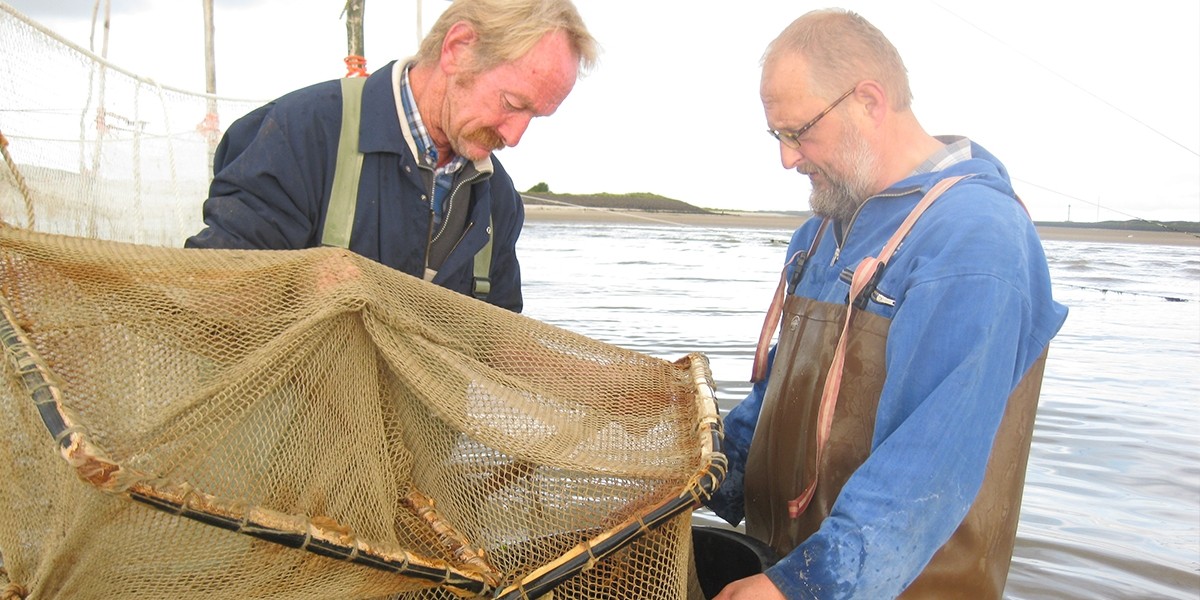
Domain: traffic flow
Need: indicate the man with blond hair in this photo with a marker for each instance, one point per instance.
(415, 184)
(882, 449)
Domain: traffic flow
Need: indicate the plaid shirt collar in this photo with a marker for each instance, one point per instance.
(425, 147)
(955, 150)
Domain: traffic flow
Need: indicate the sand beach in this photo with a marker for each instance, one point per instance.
(766, 220)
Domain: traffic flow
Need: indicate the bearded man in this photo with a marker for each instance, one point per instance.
(882, 450)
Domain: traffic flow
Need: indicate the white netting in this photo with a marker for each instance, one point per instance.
(304, 424)
(110, 155)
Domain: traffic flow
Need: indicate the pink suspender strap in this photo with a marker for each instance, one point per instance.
(775, 312)
(864, 277)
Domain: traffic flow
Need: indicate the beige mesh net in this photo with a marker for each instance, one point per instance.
(300, 424)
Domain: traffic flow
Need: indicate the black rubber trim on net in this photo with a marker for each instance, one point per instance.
(93, 466)
(702, 485)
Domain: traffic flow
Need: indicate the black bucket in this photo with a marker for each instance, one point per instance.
(724, 556)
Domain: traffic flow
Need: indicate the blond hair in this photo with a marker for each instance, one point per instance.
(842, 48)
(507, 29)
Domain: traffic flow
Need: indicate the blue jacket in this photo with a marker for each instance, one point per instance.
(973, 311)
(273, 173)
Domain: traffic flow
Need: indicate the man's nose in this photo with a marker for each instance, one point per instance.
(790, 157)
(513, 128)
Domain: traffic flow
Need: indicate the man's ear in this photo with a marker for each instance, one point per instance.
(873, 99)
(458, 48)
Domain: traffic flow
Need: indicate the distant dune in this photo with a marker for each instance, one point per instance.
(1131, 225)
(651, 208)
(637, 201)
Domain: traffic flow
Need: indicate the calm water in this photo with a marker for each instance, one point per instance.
(1112, 498)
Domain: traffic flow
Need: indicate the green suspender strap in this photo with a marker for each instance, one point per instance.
(343, 198)
(481, 285)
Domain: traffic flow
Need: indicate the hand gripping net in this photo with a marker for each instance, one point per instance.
(303, 424)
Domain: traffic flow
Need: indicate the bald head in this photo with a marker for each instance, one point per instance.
(836, 96)
(840, 49)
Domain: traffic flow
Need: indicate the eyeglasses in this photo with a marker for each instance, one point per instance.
(791, 139)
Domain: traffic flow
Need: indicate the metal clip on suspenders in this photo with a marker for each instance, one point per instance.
(866, 275)
(343, 198)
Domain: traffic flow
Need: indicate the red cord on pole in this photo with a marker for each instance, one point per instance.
(356, 66)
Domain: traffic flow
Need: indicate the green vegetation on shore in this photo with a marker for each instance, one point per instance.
(1131, 225)
(634, 201)
(540, 195)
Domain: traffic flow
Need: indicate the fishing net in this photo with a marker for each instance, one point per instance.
(297, 424)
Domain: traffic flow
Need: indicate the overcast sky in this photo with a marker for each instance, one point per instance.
(1093, 106)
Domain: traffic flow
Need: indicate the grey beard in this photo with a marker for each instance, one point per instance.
(836, 202)
(846, 192)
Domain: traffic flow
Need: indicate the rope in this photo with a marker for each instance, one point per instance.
(356, 66)
(1158, 224)
(13, 591)
(1071, 82)
(210, 127)
(12, 165)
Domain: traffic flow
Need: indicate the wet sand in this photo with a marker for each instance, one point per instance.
(761, 220)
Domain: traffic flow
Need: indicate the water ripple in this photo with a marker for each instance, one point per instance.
(1112, 497)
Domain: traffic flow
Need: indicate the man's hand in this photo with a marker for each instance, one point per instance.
(756, 587)
(335, 270)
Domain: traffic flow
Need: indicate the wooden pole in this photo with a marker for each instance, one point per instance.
(101, 122)
(211, 126)
(356, 53)
(210, 63)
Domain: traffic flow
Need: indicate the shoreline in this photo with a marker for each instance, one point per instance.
(766, 220)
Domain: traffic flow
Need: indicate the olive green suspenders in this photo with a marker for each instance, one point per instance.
(339, 216)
